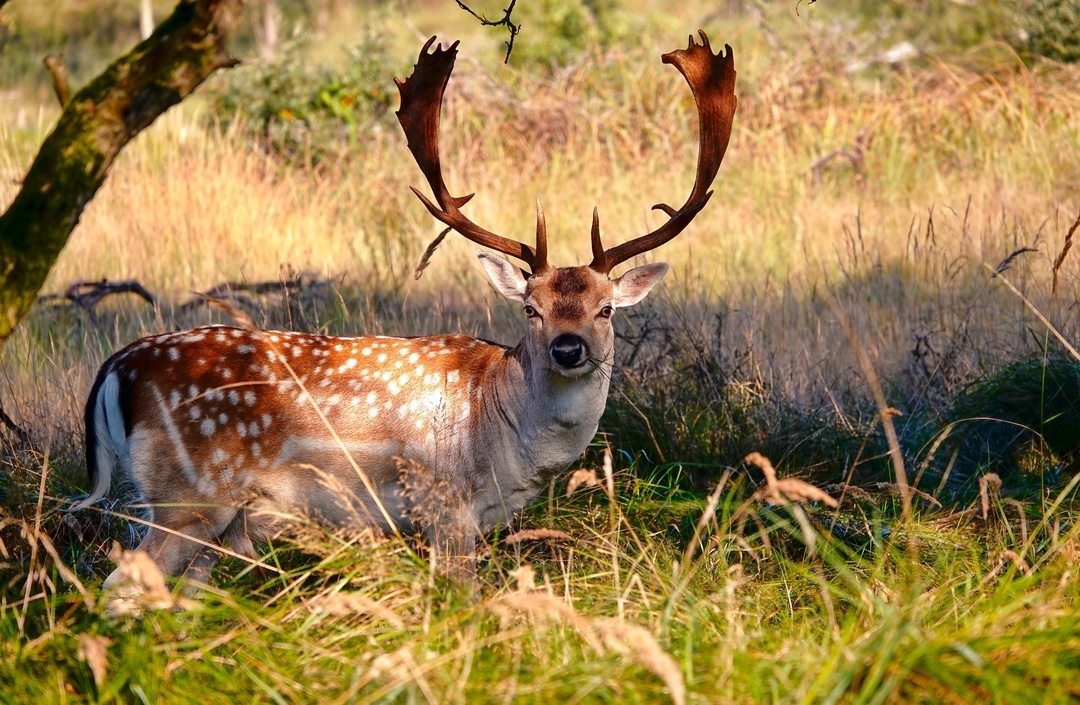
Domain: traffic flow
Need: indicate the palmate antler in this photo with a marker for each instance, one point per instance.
(712, 80)
(421, 103)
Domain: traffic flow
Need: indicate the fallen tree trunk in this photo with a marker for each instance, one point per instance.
(95, 126)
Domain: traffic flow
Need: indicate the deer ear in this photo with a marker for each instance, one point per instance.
(637, 283)
(507, 278)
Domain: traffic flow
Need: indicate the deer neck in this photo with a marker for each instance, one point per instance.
(550, 418)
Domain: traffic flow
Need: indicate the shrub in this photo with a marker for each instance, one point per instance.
(562, 31)
(297, 110)
(1053, 29)
(942, 26)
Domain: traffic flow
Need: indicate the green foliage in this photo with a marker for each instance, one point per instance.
(942, 26)
(1053, 28)
(300, 111)
(562, 32)
(1028, 409)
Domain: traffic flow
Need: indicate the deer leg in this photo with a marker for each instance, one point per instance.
(173, 552)
(452, 541)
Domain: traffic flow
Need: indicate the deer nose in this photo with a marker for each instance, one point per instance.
(568, 350)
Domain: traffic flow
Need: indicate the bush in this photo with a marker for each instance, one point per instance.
(1053, 29)
(942, 26)
(560, 32)
(301, 111)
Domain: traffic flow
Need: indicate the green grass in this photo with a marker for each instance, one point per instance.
(772, 606)
(965, 161)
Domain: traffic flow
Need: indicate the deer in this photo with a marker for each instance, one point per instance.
(221, 430)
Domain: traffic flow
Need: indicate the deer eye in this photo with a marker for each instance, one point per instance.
(530, 311)
(606, 311)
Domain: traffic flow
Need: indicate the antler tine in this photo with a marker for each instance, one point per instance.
(540, 260)
(712, 80)
(421, 104)
(599, 261)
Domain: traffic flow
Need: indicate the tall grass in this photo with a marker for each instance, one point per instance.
(949, 175)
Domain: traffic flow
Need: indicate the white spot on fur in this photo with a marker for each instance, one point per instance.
(241, 429)
(250, 398)
(207, 427)
(174, 353)
(245, 349)
(452, 376)
(234, 397)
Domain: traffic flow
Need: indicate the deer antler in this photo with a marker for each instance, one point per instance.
(421, 103)
(712, 81)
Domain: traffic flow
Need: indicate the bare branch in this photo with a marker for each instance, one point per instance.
(87, 295)
(59, 77)
(505, 21)
(6, 421)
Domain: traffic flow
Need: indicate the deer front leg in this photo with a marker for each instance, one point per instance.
(452, 546)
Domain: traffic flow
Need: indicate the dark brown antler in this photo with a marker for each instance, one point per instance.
(712, 81)
(421, 103)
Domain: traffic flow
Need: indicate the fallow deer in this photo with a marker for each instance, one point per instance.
(215, 425)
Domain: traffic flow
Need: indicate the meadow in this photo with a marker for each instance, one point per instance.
(881, 299)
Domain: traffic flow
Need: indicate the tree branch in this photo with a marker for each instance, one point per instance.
(505, 21)
(95, 126)
(59, 77)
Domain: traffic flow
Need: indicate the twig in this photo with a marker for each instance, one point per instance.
(856, 157)
(228, 290)
(87, 295)
(505, 21)
(60, 78)
(19, 432)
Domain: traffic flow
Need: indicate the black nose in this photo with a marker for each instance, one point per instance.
(568, 350)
